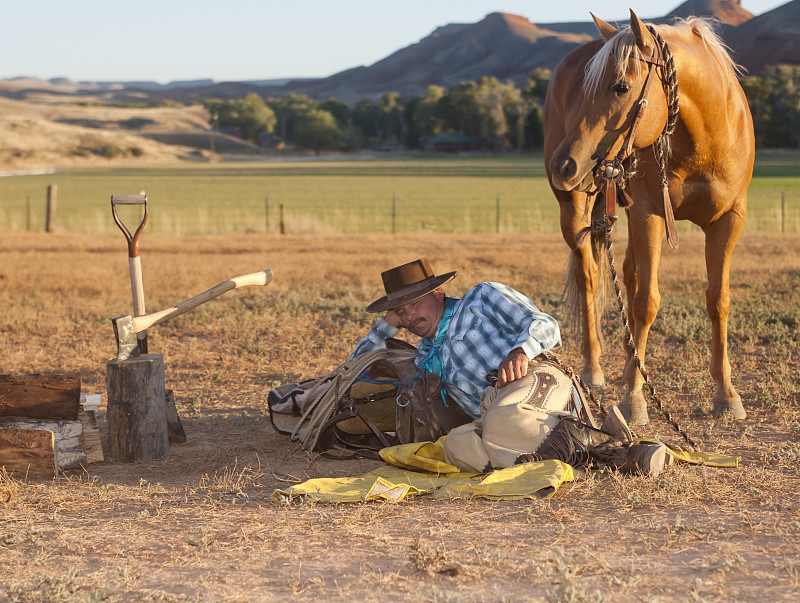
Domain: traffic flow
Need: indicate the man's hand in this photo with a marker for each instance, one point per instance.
(513, 367)
(393, 318)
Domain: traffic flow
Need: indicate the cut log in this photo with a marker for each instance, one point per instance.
(28, 452)
(54, 397)
(67, 436)
(92, 445)
(137, 408)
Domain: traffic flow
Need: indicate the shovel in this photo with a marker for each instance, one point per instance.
(134, 262)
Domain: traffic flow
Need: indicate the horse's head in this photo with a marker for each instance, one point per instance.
(597, 124)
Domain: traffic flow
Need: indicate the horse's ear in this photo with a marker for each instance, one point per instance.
(644, 41)
(606, 30)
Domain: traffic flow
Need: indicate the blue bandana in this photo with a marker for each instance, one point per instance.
(433, 361)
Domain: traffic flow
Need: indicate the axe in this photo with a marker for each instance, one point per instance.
(134, 261)
(126, 326)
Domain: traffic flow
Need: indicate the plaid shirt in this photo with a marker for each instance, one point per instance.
(488, 322)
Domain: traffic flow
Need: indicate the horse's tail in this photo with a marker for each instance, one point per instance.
(571, 296)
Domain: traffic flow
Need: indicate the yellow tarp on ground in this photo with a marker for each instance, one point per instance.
(704, 458)
(531, 480)
(420, 468)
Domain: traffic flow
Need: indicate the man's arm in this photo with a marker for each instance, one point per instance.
(535, 331)
(378, 334)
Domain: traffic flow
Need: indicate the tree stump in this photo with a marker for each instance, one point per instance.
(137, 408)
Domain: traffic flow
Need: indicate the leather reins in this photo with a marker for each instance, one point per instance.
(609, 173)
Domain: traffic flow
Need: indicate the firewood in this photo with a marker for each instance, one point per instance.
(54, 397)
(28, 452)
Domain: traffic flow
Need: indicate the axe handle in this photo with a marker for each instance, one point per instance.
(256, 279)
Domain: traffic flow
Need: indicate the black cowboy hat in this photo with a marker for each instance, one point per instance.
(408, 282)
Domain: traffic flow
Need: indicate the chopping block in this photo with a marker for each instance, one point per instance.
(141, 413)
(137, 408)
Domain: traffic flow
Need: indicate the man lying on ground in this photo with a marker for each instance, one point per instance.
(495, 327)
(531, 411)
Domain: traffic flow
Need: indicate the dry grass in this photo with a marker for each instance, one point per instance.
(60, 131)
(199, 525)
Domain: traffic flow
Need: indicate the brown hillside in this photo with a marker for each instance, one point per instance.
(727, 11)
(769, 39)
(43, 132)
(501, 45)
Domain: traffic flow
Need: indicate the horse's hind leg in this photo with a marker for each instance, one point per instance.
(721, 237)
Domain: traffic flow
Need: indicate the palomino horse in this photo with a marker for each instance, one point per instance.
(700, 115)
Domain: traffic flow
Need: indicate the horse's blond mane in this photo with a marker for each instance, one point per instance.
(620, 48)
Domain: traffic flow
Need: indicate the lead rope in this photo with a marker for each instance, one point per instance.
(570, 372)
(651, 389)
(670, 83)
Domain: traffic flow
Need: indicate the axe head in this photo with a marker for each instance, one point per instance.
(127, 342)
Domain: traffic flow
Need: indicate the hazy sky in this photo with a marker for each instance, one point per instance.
(167, 40)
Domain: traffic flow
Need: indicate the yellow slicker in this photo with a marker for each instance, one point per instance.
(420, 469)
(405, 477)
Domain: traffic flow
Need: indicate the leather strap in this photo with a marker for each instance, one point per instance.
(669, 218)
(610, 192)
(654, 61)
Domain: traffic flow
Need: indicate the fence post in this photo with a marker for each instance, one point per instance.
(497, 227)
(783, 211)
(52, 194)
(28, 213)
(266, 209)
(283, 224)
(394, 213)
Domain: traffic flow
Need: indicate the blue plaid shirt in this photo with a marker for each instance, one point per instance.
(488, 322)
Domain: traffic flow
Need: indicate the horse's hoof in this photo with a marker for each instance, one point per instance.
(729, 408)
(634, 411)
(594, 379)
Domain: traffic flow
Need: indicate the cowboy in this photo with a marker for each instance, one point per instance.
(494, 326)
(462, 340)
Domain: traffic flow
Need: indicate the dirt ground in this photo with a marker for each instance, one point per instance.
(200, 524)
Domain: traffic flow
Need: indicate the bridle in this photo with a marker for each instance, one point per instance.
(610, 176)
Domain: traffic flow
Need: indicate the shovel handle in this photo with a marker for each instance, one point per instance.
(133, 239)
(255, 279)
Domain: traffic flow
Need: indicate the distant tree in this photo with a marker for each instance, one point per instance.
(534, 128)
(352, 138)
(534, 94)
(460, 111)
(367, 118)
(774, 99)
(341, 111)
(317, 129)
(536, 87)
(254, 116)
(423, 116)
(249, 114)
(288, 110)
(392, 118)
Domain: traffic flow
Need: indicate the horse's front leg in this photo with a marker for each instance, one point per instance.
(721, 237)
(585, 275)
(646, 235)
(585, 272)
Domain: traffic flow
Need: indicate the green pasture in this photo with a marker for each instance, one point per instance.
(342, 196)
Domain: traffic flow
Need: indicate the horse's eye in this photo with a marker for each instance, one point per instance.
(621, 88)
